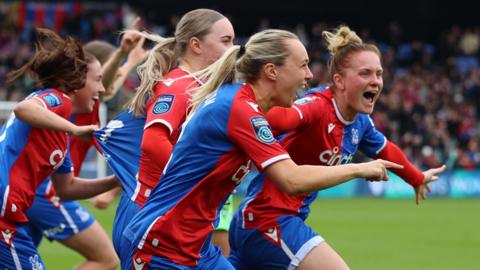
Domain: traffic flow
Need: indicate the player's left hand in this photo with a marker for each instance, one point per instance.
(130, 39)
(428, 177)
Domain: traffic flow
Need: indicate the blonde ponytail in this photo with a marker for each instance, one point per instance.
(221, 71)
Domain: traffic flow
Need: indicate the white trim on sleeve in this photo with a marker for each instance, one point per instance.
(298, 110)
(273, 160)
(161, 121)
(383, 146)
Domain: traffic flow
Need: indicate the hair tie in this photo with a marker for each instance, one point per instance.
(241, 52)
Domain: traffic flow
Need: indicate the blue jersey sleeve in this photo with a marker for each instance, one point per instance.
(373, 141)
(67, 165)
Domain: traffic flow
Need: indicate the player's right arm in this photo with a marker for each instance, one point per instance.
(283, 119)
(304, 112)
(34, 113)
(298, 179)
(70, 187)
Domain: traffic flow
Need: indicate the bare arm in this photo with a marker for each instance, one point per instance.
(135, 57)
(110, 68)
(295, 179)
(33, 112)
(70, 187)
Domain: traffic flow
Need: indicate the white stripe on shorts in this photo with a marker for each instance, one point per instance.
(302, 252)
(16, 261)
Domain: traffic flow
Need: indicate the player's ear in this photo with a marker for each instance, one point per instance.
(194, 45)
(338, 81)
(270, 71)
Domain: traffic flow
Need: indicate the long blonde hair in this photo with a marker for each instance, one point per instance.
(164, 56)
(267, 46)
(341, 45)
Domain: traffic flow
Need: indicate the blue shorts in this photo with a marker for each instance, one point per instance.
(58, 222)
(126, 209)
(17, 250)
(281, 247)
(212, 259)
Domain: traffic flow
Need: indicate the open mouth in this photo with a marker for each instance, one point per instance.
(370, 96)
(304, 86)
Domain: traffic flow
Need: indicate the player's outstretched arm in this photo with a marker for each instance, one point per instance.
(410, 174)
(70, 187)
(294, 179)
(32, 112)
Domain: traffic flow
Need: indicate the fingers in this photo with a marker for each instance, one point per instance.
(390, 165)
(428, 188)
(136, 23)
(439, 169)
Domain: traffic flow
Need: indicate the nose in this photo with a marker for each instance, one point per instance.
(376, 80)
(308, 74)
(101, 89)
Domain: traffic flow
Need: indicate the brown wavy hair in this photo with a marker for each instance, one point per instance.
(57, 62)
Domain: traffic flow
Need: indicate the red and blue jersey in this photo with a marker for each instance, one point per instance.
(169, 108)
(322, 137)
(29, 155)
(210, 158)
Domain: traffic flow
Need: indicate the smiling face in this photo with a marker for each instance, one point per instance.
(84, 99)
(360, 83)
(293, 74)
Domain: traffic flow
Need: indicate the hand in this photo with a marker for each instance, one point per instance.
(137, 54)
(103, 200)
(130, 38)
(428, 177)
(84, 132)
(377, 170)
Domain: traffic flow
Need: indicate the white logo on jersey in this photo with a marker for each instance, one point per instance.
(111, 126)
(168, 82)
(240, 174)
(52, 160)
(272, 233)
(332, 158)
(7, 235)
(331, 126)
(354, 136)
(253, 105)
(209, 99)
(35, 262)
(138, 264)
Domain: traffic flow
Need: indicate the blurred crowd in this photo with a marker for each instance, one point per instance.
(430, 104)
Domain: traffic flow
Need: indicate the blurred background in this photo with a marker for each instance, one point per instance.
(430, 107)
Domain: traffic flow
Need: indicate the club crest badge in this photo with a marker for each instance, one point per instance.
(262, 130)
(163, 104)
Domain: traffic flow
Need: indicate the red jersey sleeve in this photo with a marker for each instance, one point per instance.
(170, 105)
(250, 131)
(56, 102)
(409, 173)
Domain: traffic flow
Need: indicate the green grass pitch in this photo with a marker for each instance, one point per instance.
(369, 233)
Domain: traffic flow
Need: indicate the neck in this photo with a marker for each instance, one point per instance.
(344, 109)
(262, 94)
(191, 63)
